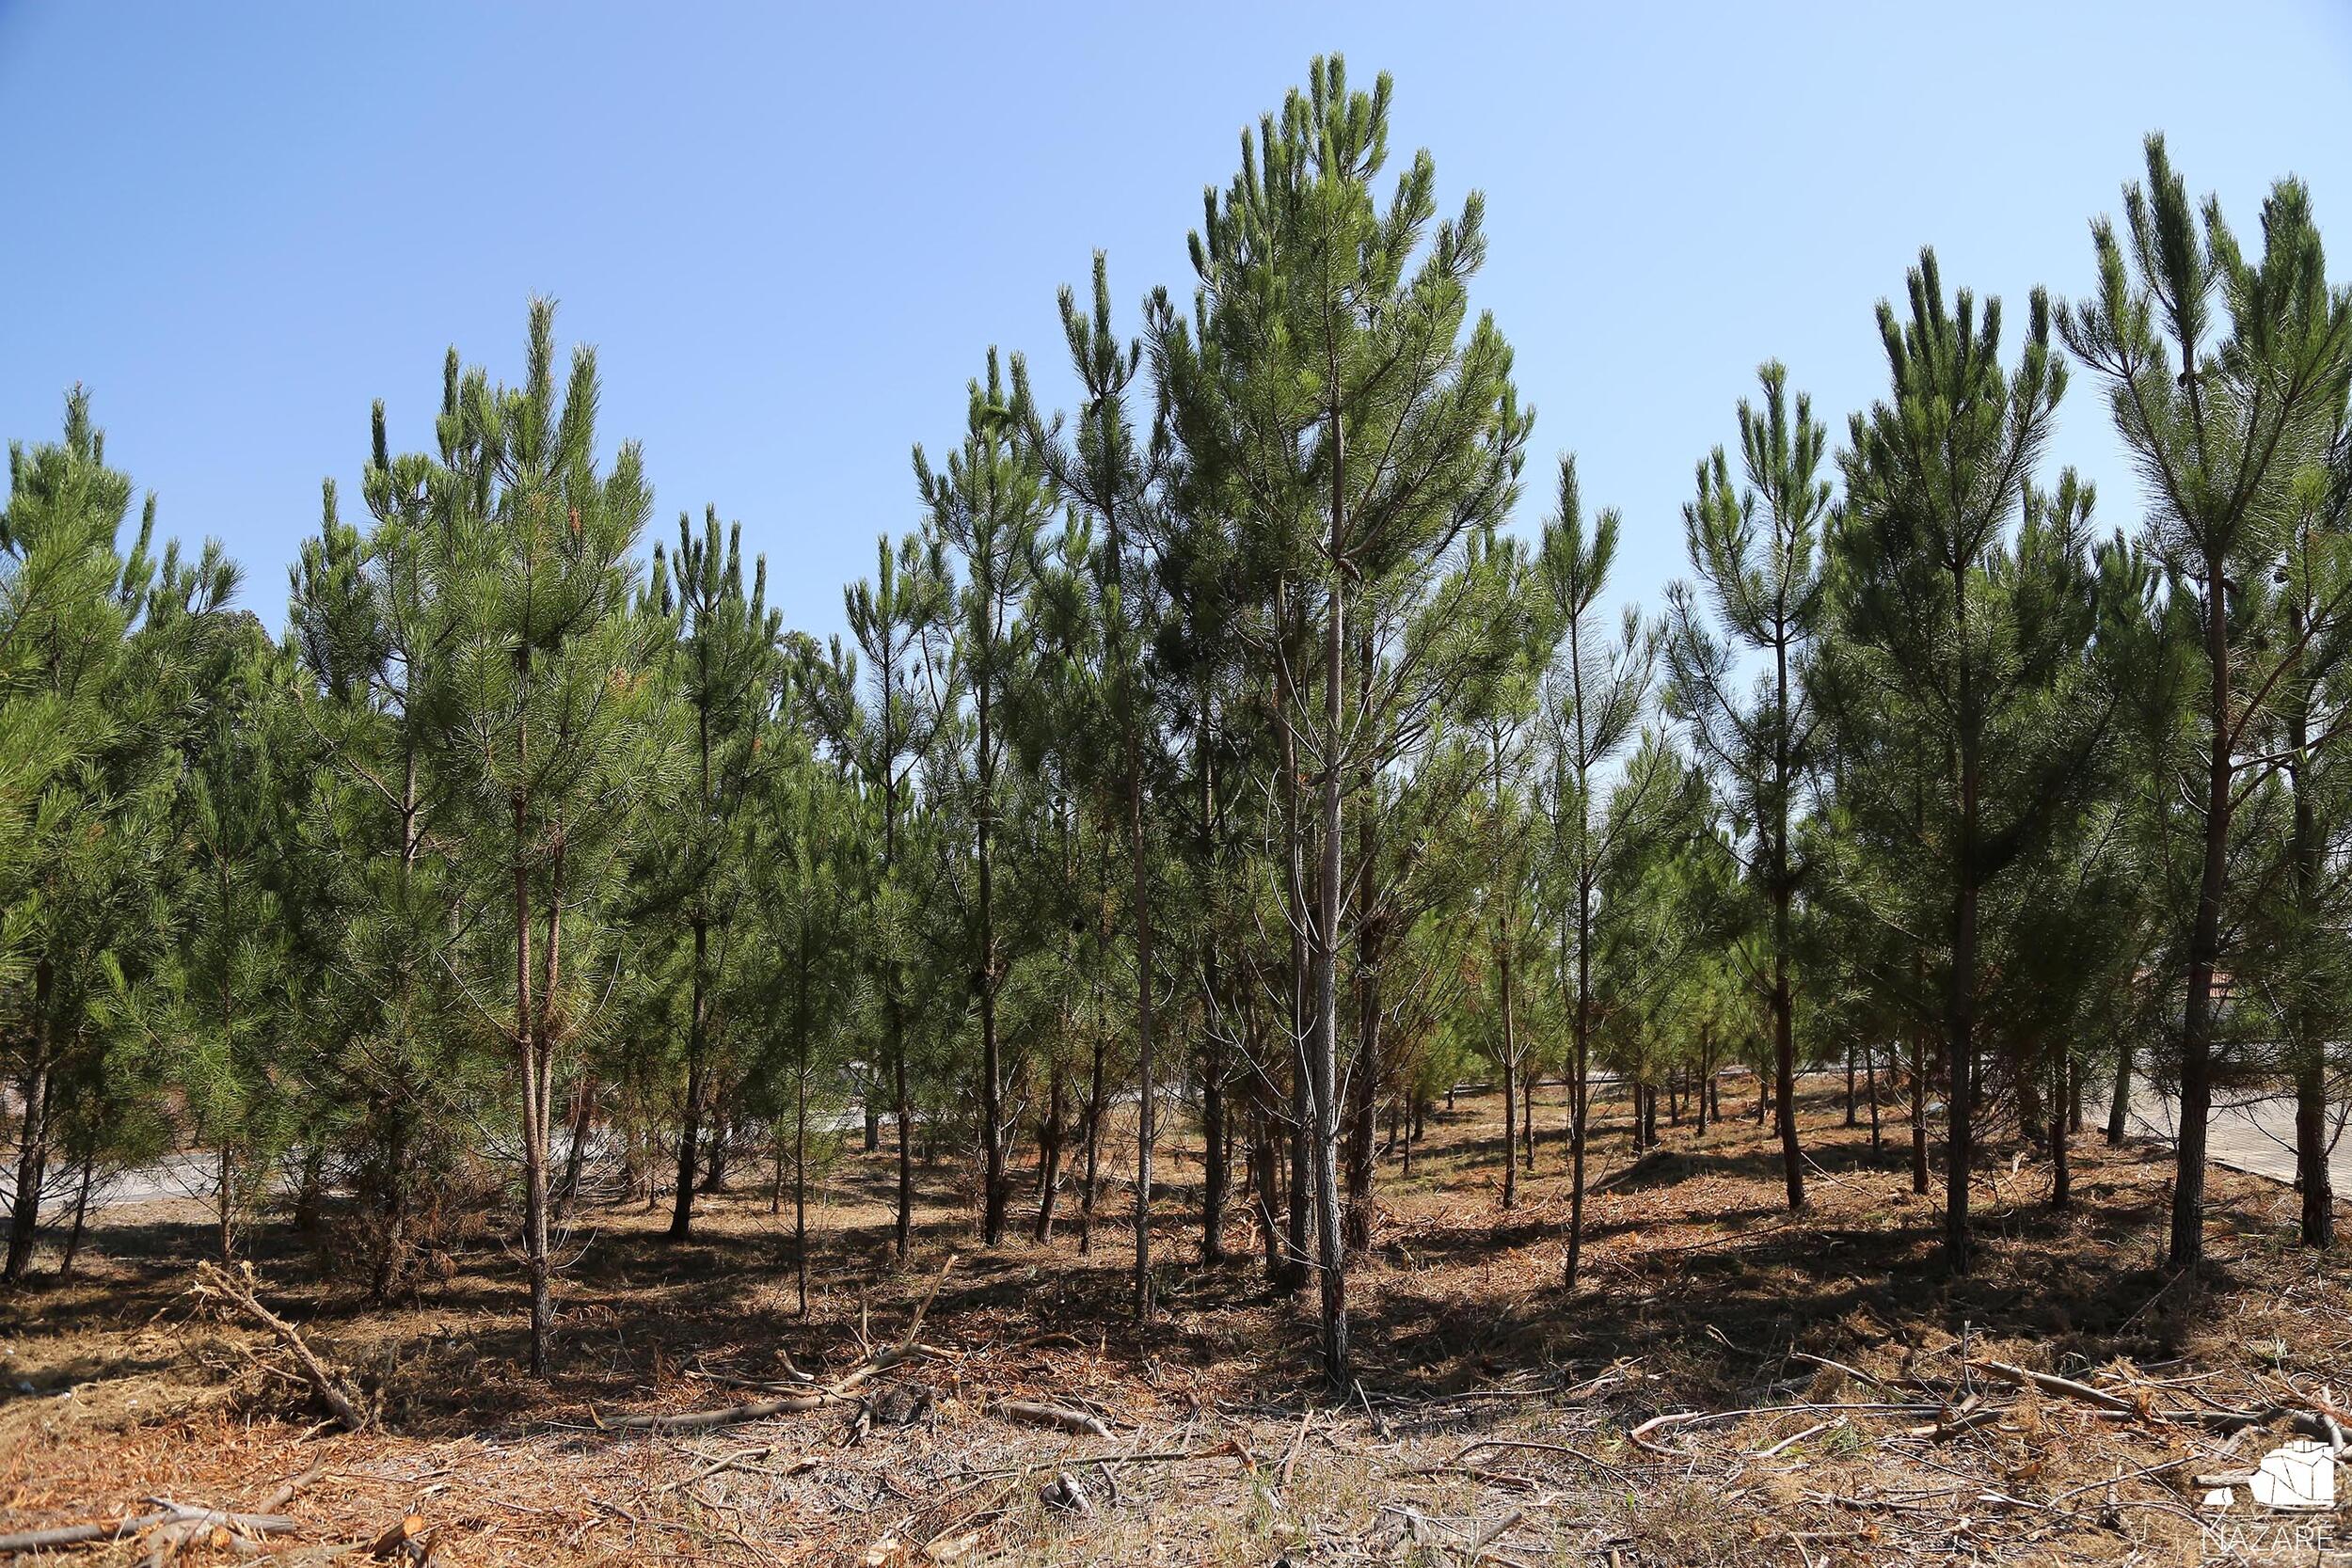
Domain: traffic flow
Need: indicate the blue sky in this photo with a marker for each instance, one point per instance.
(793, 233)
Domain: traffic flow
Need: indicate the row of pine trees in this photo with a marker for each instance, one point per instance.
(1215, 748)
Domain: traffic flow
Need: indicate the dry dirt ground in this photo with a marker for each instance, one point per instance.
(1851, 1415)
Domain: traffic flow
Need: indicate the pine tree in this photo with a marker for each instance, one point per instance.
(2222, 422)
(1975, 640)
(804, 981)
(1594, 700)
(1332, 380)
(1762, 579)
(97, 651)
(725, 666)
(549, 727)
(237, 979)
(1104, 470)
(376, 638)
(986, 506)
(884, 735)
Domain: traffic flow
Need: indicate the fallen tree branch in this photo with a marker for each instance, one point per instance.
(168, 1513)
(2050, 1383)
(1792, 1440)
(2307, 1419)
(1640, 1435)
(76, 1535)
(1036, 1413)
(334, 1390)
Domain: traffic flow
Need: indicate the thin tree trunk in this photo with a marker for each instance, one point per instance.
(1215, 1156)
(81, 1218)
(32, 1158)
(1269, 1229)
(1918, 1112)
(689, 1150)
(575, 1158)
(1784, 1006)
(1364, 1083)
(1510, 1124)
(1870, 1071)
(1296, 1222)
(1706, 1074)
(903, 1226)
(2309, 1061)
(1049, 1145)
(721, 1146)
(2311, 1151)
(800, 1183)
(1960, 1002)
(393, 1235)
(1323, 1033)
(2119, 1104)
(1527, 1115)
(992, 1193)
(225, 1193)
(2187, 1248)
(1147, 1090)
(1093, 1153)
(2061, 1165)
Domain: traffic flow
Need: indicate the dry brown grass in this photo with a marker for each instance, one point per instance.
(1700, 1293)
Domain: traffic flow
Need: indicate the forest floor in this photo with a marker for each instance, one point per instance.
(1850, 1412)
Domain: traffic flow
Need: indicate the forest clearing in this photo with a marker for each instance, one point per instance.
(1846, 1413)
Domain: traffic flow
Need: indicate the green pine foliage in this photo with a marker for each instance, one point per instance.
(1226, 754)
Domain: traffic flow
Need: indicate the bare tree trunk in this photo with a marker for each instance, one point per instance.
(1269, 1229)
(799, 1181)
(575, 1158)
(1527, 1115)
(2310, 1060)
(993, 1193)
(224, 1194)
(1918, 1112)
(1510, 1124)
(2061, 1166)
(1706, 1074)
(1216, 1156)
(1870, 1071)
(393, 1235)
(1323, 1030)
(690, 1130)
(2311, 1151)
(902, 1229)
(81, 1218)
(32, 1158)
(2187, 1248)
(1093, 1153)
(1147, 1105)
(1049, 1146)
(721, 1143)
(2119, 1104)
(1297, 1224)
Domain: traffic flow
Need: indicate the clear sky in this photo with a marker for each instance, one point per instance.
(793, 232)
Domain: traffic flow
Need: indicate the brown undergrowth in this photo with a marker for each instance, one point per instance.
(1495, 1418)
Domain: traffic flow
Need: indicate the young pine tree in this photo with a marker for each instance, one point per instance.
(1761, 575)
(2224, 418)
(1965, 607)
(551, 728)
